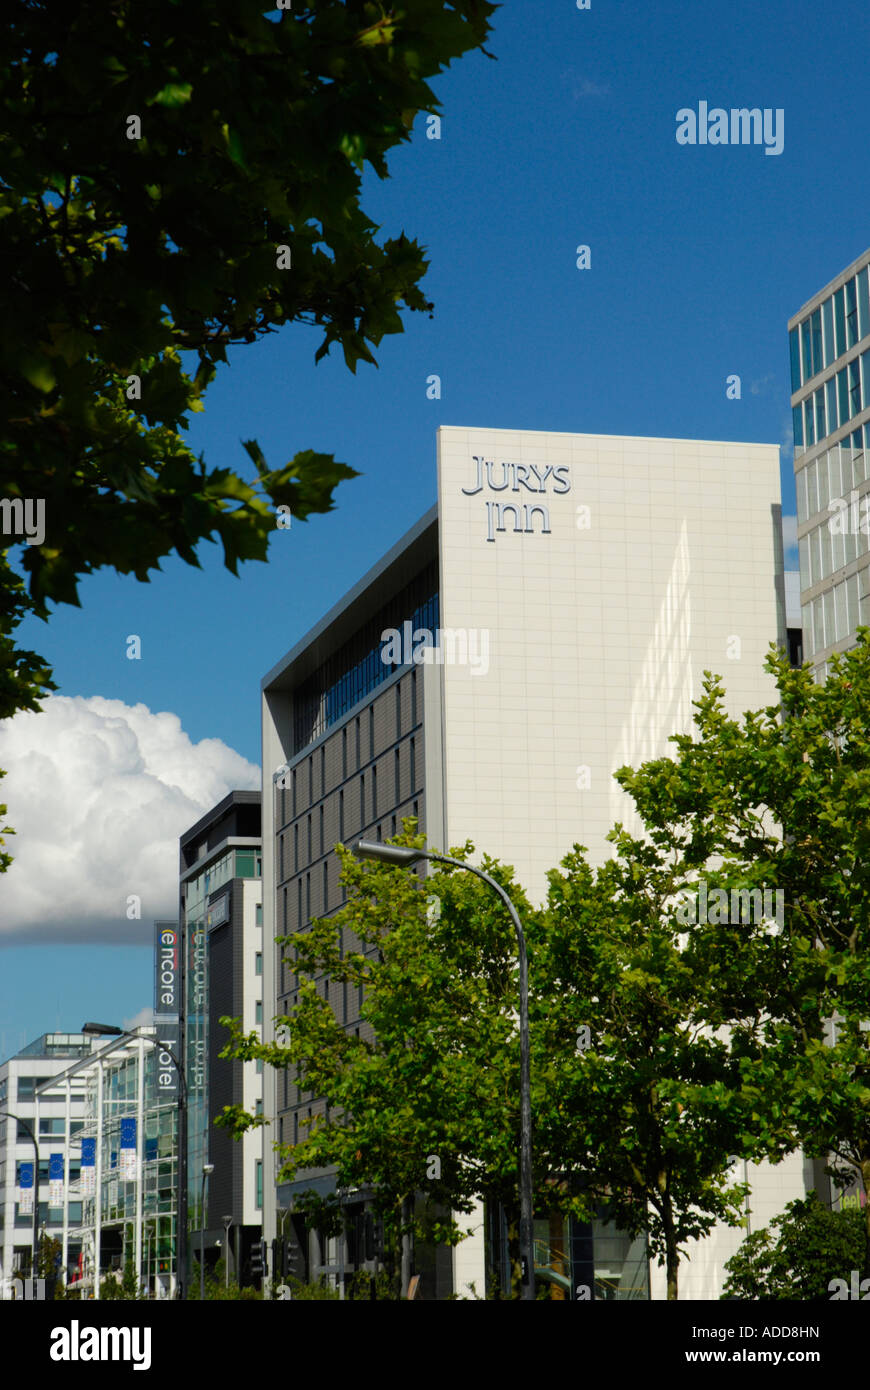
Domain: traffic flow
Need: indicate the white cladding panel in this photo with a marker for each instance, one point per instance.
(587, 644)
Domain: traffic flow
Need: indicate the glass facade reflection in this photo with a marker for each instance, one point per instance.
(829, 352)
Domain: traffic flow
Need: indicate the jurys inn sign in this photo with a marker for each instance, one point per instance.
(519, 478)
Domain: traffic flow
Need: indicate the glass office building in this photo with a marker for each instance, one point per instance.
(829, 340)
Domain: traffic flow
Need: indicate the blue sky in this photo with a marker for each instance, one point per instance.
(698, 257)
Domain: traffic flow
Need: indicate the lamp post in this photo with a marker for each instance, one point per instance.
(110, 1031)
(228, 1221)
(404, 857)
(207, 1170)
(9, 1116)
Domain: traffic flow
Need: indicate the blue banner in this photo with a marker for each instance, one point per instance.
(55, 1179)
(89, 1162)
(25, 1185)
(128, 1149)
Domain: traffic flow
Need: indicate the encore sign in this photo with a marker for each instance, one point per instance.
(520, 478)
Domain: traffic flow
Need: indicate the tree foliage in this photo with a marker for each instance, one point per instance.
(781, 798)
(637, 1098)
(156, 160)
(434, 1074)
(813, 1246)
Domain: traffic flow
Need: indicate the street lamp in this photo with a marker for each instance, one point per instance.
(24, 1125)
(207, 1170)
(108, 1030)
(404, 857)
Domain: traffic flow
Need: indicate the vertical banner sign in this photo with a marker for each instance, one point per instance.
(166, 1007)
(25, 1189)
(128, 1150)
(55, 1180)
(89, 1167)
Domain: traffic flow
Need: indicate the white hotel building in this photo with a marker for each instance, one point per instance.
(595, 577)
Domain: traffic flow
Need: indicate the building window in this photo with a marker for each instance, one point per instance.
(321, 828)
(344, 754)
(325, 885)
(362, 800)
(358, 747)
(258, 958)
(397, 765)
(851, 313)
(413, 756)
(294, 793)
(310, 780)
(341, 816)
(374, 793)
(308, 897)
(398, 709)
(323, 769)
(371, 731)
(52, 1126)
(258, 1110)
(258, 915)
(258, 1011)
(258, 1178)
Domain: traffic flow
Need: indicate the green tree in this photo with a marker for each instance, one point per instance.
(636, 1099)
(127, 1287)
(218, 1288)
(781, 799)
(813, 1246)
(430, 1103)
(178, 179)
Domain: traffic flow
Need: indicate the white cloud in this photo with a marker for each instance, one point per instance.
(98, 793)
(143, 1019)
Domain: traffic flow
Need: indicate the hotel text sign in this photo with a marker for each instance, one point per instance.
(520, 478)
(166, 1009)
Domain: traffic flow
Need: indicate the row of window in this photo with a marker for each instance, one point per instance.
(836, 325)
(367, 788)
(835, 403)
(358, 669)
(823, 551)
(831, 475)
(50, 1127)
(352, 738)
(236, 863)
(325, 905)
(50, 1216)
(835, 614)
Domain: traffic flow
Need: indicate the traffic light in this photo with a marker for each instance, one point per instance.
(258, 1259)
(292, 1257)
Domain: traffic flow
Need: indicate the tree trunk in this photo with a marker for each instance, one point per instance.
(672, 1254)
(865, 1179)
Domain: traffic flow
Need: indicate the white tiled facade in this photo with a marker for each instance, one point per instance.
(659, 564)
